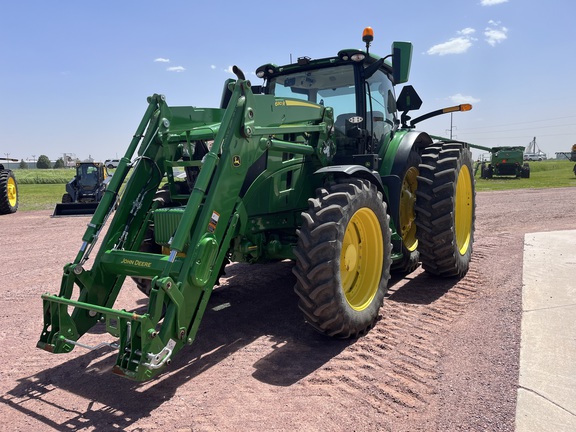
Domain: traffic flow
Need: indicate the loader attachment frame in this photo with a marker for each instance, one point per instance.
(200, 231)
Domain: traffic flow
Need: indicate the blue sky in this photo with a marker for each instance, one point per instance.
(75, 75)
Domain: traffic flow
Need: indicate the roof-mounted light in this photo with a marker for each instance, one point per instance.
(352, 54)
(265, 71)
(368, 35)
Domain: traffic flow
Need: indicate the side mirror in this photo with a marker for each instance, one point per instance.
(408, 100)
(401, 61)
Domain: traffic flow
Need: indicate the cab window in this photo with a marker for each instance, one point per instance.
(333, 87)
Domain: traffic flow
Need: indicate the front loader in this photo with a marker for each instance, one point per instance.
(320, 164)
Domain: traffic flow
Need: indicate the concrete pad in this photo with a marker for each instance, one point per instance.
(549, 261)
(536, 414)
(547, 385)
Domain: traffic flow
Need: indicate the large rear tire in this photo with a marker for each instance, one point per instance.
(445, 208)
(8, 192)
(343, 258)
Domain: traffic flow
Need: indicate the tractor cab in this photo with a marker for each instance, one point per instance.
(87, 176)
(356, 85)
(87, 184)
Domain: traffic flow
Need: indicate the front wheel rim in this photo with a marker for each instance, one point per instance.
(361, 259)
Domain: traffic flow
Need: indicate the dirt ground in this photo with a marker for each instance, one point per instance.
(443, 357)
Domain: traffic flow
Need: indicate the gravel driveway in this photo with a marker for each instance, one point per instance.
(443, 357)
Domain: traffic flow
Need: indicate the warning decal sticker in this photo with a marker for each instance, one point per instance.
(213, 221)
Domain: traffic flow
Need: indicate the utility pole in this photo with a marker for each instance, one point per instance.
(8, 159)
(451, 126)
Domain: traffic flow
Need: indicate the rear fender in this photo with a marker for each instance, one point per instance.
(396, 154)
(395, 164)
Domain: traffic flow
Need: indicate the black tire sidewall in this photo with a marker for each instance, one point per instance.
(374, 202)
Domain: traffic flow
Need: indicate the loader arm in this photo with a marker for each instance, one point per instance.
(199, 232)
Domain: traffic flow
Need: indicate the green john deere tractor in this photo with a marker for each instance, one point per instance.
(320, 164)
(8, 189)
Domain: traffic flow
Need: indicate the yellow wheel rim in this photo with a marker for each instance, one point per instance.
(12, 194)
(407, 213)
(463, 210)
(361, 259)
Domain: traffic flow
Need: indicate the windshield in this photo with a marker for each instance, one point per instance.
(333, 87)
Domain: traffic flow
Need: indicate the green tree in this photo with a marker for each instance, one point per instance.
(59, 163)
(43, 162)
(23, 165)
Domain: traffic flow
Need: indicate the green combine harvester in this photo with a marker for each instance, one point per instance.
(504, 161)
(320, 164)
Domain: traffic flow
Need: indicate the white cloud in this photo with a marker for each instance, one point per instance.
(495, 34)
(459, 98)
(176, 69)
(492, 2)
(467, 31)
(161, 60)
(229, 69)
(212, 67)
(457, 45)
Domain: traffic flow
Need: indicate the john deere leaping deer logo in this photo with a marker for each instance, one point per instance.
(236, 161)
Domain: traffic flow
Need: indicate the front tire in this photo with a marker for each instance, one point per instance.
(343, 258)
(446, 209)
